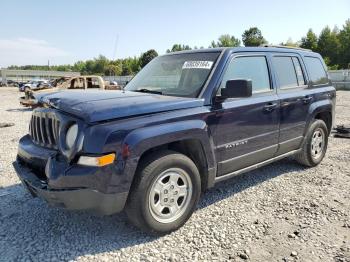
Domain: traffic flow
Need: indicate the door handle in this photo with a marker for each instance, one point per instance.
(270, 107)
(307, 99)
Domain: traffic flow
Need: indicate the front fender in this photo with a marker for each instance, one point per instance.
(140, 140)
(143, 139)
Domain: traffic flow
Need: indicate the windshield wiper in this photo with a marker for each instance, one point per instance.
(145, 90)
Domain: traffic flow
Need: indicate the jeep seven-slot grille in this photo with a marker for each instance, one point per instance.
(43, 129)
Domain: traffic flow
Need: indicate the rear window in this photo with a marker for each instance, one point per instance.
(317, 74)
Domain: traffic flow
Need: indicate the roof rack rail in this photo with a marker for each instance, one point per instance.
(290, 47)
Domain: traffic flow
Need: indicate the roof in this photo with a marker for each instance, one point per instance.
(266, 48)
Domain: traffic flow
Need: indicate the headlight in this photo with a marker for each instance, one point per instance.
(71, 136)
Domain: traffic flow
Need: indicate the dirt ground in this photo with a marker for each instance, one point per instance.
(281, 212)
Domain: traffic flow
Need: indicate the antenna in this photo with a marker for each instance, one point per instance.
(115, 47)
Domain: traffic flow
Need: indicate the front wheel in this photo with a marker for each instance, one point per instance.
(315, 144)
(165, 193)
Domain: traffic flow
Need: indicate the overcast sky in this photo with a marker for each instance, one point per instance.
(33, 32)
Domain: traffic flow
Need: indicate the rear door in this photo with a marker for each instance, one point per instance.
(246, 130)
(295, 98)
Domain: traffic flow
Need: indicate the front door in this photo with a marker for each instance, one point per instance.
(247, 129)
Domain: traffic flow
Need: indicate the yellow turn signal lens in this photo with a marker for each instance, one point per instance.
(106, 160)
(96, 161)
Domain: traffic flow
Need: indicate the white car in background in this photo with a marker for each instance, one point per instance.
(33, 85)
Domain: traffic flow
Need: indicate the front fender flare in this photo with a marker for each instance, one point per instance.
(143, 139)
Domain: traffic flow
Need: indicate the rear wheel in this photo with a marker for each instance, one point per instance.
(315, 144)
(165, 193)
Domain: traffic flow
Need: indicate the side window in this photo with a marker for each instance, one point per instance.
(92, 82)
(79, 84)
(249, 67)
(299, 71)
(76, 83)
(316, 70)
(284, 68)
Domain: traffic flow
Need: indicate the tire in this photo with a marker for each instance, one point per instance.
(313, 150)
(154, 198)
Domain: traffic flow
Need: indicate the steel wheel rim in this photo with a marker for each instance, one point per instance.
(317, 143)
(170, 195)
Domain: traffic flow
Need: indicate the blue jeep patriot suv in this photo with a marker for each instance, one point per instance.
(185, 122)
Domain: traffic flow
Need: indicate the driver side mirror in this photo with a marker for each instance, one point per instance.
(237, 88)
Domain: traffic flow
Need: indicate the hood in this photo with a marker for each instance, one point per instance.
(100, 105)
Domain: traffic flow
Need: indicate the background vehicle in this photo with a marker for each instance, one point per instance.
(12, 83)
(21, 86)
(187, 121)
(113, 83)
(31, 85)
(64, 83)
(34, 85)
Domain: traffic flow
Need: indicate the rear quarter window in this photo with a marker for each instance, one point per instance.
(317, 73)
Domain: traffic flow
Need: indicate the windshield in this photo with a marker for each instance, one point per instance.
(177, 75)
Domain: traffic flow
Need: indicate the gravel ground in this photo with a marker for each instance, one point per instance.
(282, 212)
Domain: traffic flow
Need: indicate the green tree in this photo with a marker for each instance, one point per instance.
(61, 68)
(310, 41)
(344, 39)
(226, 41)
(79, 66)
(135, 64)
(328, 45)
(290, 42)
(253, 37)
(100, 65)
(178, 47)
(126, 71)
(147, 57)
(118, 66)
(130, 66)
(113, 70)
(89, 67)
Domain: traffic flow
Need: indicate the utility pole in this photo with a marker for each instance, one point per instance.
(48, 69)
(114, 55)
(115, 47)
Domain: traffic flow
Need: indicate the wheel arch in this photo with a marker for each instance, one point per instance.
(321, 110)
(191, 138)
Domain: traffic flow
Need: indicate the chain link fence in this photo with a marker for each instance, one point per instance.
(340, 79)
(121, 80)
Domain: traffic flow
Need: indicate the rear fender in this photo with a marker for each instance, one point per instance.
(316, 108)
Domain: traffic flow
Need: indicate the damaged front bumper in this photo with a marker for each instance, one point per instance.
(63, 185)
(72, 199)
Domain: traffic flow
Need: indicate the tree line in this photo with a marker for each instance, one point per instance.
(333, 45)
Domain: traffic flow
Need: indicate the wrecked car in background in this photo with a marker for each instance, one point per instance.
(72, 83)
